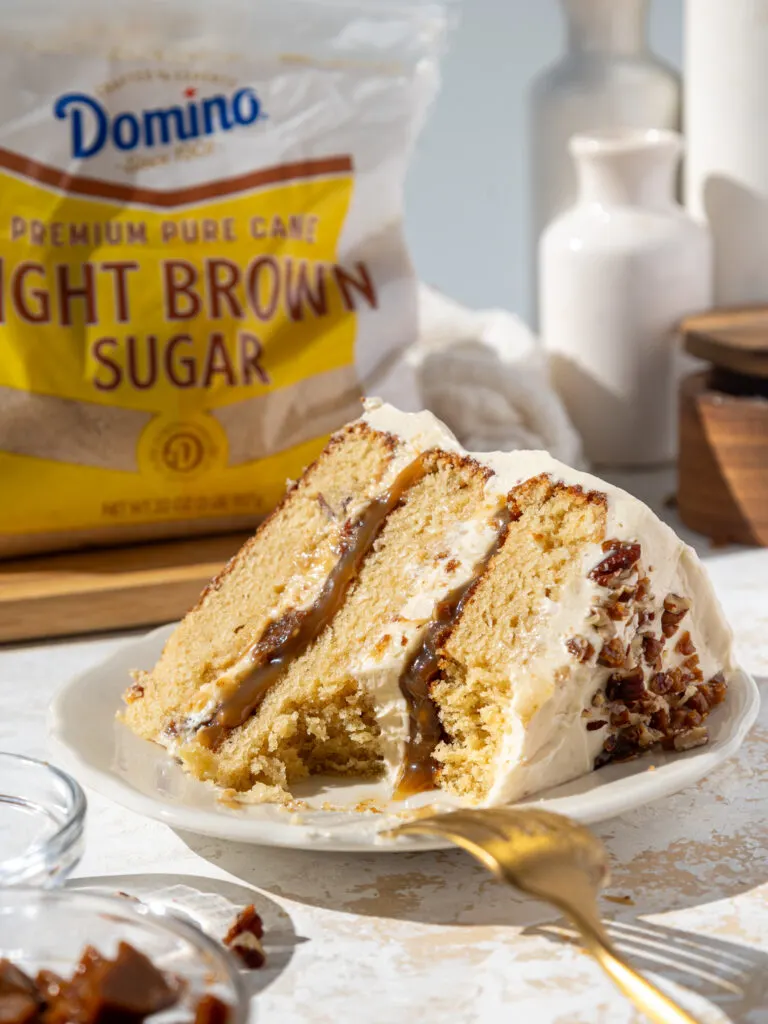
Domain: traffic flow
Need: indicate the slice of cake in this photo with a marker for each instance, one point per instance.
(491, 625)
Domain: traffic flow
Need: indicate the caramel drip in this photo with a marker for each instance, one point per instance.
(419, 770)
(288, 637)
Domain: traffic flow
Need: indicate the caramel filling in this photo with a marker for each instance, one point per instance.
(419, 770)
(288, 637)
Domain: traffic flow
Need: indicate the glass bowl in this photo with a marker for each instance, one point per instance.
(42, 814)
(50, 928)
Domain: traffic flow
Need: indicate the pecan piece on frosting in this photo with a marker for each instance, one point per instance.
(622, 558)
(580, 648)
(675, 607)
(652, 648)
(715, 689)
(685, 645)
(626, 687)
(612, 654)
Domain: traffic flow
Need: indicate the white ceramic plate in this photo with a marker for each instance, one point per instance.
(142, 777)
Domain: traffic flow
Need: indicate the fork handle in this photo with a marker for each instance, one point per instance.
(646, 997)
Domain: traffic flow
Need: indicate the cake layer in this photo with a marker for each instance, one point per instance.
(282, 568)
(494, 664)
(431, 542)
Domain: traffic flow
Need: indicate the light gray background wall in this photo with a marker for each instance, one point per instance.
(466, 194)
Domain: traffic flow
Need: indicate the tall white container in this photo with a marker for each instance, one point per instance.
(726, 95)
(618, 271)
(607, 78)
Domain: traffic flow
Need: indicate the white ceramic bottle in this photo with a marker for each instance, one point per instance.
(617, 273)
(607, 78)
(726, 63)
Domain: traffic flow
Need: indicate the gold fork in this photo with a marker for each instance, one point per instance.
(557, 860)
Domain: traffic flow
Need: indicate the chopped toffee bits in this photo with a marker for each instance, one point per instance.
(244, 938)
(211, 1010)
(125, 990)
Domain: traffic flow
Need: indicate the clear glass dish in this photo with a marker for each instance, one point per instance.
(50, 928)
(42, 815)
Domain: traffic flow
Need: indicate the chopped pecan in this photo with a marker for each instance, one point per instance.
(675, 608)
(690, 675)
(580, 648)
(617, 611)
(676, 605)
(595, 725)
(626, 687)
(685, 645)
(685, 718)
(660, 720)
(612, 654)
(698, 702)
(620, 718)
(695, 737)
(715, 689)
(598, 700)
(627, 747)
(661, 683)
(622, 558)
(678, 682)
(645, 618)
(643, 589)
(652, 649)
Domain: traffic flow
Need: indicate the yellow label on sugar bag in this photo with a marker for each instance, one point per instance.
(202, 264)
(177, 315)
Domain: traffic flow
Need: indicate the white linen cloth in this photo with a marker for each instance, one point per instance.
(485, 375)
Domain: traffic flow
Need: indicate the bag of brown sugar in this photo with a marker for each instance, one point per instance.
(202, 264)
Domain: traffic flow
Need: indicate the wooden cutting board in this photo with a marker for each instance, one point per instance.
(107, 589)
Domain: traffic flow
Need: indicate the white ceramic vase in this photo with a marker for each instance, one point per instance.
(607, 78)
(617, 273)
(726, 63)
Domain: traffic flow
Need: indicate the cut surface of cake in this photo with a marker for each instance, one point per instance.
(490, 625)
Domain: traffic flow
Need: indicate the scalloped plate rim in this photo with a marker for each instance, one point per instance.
(602, 795)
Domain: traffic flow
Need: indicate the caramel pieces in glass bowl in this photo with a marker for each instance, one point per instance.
(125, 990)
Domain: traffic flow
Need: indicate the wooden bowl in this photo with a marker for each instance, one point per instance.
(723, 470)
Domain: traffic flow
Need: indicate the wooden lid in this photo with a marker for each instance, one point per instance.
(732, 339)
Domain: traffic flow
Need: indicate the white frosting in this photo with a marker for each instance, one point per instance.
(546, 741)
(380, 670)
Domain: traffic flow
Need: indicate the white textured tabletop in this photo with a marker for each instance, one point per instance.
(431, 937)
